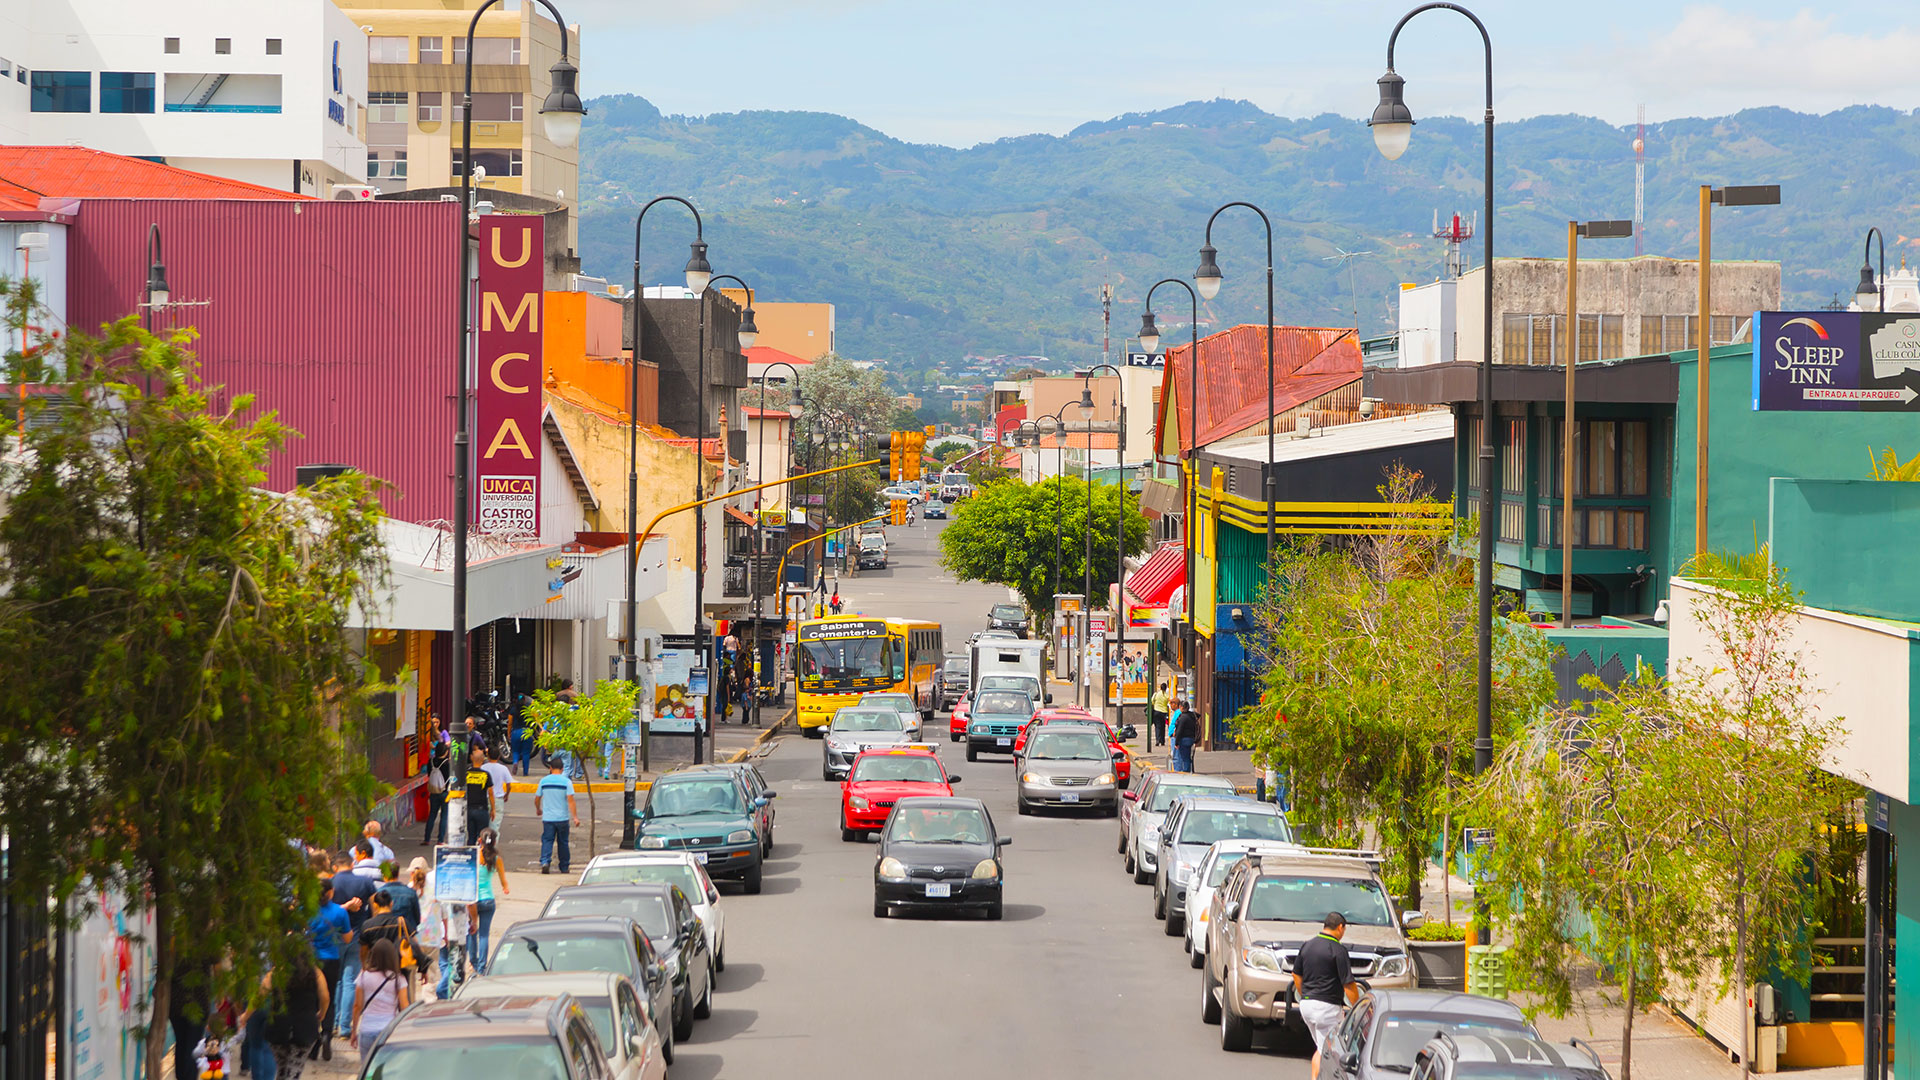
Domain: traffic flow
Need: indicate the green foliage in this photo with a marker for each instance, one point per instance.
(1438, 931)
(183, 697)
(1010, 533)
(841, 398)
(582, 730)
(1888, 466)
(949, 450)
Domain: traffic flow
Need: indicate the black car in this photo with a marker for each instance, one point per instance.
(939, 852)
(612, 943)
(679, 941)
(950, 682)
(934, 509)
(1008, 617)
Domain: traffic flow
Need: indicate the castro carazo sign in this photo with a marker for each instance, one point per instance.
(508, 402)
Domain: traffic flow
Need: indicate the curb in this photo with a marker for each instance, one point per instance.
(742, 755)
(615, 787)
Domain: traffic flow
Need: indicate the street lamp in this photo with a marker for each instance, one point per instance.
(1392, 124)
(1596, 230)
(759, 535)
(1120, 540)
(563, 113)
(1869, 290)
(157, 292)
(1208, 279)
(1150, 341)
(1745, 195)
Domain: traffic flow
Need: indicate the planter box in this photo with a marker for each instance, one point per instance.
(1440, 965)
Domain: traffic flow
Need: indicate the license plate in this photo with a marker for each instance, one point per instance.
(941, 889)
(1003, 742)
(700, 857)
(1069, 796)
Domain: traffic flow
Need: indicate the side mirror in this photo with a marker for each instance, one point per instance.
(1411, 919)
(1130, 796)
(1232, 910)
(1003, 841)
(770, 796)
(760, 802)
(951, 779)
(1047, 699)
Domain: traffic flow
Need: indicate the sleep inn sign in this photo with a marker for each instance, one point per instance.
(1836, 361)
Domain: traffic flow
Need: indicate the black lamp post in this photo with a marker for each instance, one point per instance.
(747, 334)
(1208, 278)
(1150, 341)
(1120, 539)
(562, 112)
(1869, 289)
(1392, 125)
(158, 295)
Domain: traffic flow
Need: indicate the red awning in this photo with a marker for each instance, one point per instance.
(1164, 571)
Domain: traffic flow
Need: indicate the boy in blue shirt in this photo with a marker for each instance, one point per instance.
(332, 933)
(554, 797)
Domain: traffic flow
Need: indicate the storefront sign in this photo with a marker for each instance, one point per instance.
(109, 985)
(508, 401)
(676, 708)
(1836, 361)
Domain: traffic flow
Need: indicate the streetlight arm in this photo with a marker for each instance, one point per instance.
(1484, 38)
(1263, 220)
(695, 504)
(1193, 407)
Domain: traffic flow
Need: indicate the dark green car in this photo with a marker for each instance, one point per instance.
(710, 814)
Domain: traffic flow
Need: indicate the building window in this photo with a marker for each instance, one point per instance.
(273, 46)
(1513, 457)
(62, 91)
(373, 164)
(387, 50)
(394, 162)
(397, 165)
(427, 108)
(222, 46)
(488, 50)
(495, 108)
(430, 50)
(1620, 528)
(1610, 459)
(6, 68)
(497, 163)
(170, 45)
(126, 91)
(1720, 329)
(387, 107)
(1669, 333)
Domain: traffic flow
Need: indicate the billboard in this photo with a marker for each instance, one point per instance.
(507, 402)
(1836, 361)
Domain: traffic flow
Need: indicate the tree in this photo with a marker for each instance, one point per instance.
(184, 699)
(583, 731)
(1010, 533)
(840, 396)
(949, 449)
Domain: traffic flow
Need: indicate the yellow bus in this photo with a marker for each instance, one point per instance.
(840, 657)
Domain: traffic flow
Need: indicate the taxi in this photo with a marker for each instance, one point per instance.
(1122, 763)
(884, 775)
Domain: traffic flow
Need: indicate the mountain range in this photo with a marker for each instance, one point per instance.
(930, 253)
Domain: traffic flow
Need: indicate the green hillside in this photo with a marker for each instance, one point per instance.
(929, 252)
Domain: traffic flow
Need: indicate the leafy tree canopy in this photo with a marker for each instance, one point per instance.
(1014, 533)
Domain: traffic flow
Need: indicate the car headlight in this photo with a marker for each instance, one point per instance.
(673, 965)
(740, 836)
(1390, 967)
(858, 802)
(1181, 872)
(1029, 778)
(1263, 959)
(986, 869)
(1103, 778)
(892, 868)
(1150, 840)
(653, 842)
(979, 729)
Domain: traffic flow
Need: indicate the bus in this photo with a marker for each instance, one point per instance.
(840, 657)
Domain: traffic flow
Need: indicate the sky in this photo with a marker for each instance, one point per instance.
(960, 73)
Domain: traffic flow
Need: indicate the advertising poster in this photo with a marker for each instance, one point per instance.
(1836, 361)
(1129, 672)
(507, 399)
(109, 989)
(1093, 665)
(676, 708)
(456, 874)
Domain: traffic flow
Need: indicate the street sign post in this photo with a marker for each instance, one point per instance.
(1836, 361)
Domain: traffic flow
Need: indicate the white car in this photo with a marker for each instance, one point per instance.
(1147, 808)
(1207, 877)
(900, 703)
(669, 868)
(630, 1038)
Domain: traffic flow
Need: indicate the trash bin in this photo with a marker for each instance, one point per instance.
(1487, 970)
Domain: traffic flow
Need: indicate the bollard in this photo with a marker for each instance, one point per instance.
(1487, 970)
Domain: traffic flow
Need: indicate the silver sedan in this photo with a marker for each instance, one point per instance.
(1069, 767)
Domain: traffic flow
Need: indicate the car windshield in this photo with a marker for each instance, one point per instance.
(1002, 701)
(485, 1055)
(529, 954)
(903, 768)
(679, 798)
(1299, 898)
(896, 702)
(958, 667)
(1402, 1034)
(1026, 684)
(1209, 826)
(1222, 863)
(869, 656)
(662, 873)
(1008, 611)
(1067, 745)
(649, 911)
(939, 825)
(1164, 794)
(867, 720)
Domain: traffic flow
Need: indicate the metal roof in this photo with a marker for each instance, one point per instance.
(1308, 361)
(1344, 438)
(80, 172)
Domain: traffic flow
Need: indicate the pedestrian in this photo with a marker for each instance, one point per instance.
(438, 753)
(385, 925)
(555, 798)
(256, 1054)
(331, 933)
(364, 863)
(187, 1014)
(1323, 984)
(502, 788)
(493, 879)
(835, 603)
(354, 892)
(1186, 732)
(521, 738)
(1157, 707)
(379, 995)
(406, 897)
(567, 693)
(821, 585)
(479, 785)
(370, 832)
(298, 1014)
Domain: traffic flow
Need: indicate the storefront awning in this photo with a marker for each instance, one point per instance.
(1164, 571)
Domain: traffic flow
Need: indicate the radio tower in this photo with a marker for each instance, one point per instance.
(1456, 233)
(1640, 180)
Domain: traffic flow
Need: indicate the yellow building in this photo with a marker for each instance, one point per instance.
(805, 330)
(416, 70)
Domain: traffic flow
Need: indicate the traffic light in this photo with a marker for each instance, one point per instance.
(899, 511)
(897, 456)
(916, 446)
(932, 431)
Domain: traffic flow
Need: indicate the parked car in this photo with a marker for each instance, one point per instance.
(1207, 877)
(1507, 1057)
(631, 1036)
(669, 868)
(1142, 812)
(1009, 617)
(994, 720)
(759, 793)
(679, 943)
(1268, 906)
(941, 853)
(614, 944)
(1386, 1031)
(710, 815)
(547, 1037)
(853, 729)
(1193, 824)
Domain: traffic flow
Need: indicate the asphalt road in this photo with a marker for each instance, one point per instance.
(1077, 981)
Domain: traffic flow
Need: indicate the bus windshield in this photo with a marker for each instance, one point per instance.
(845, 658)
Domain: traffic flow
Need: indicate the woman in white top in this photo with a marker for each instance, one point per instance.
(379, 994)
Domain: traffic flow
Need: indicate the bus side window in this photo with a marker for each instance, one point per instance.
(897, 651)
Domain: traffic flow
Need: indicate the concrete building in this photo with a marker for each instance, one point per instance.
(272, 94)
(803, 329)
(416, 58)
(1628, 307)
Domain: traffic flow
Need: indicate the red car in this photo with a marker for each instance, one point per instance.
(882, 775)
(957, 719)
(1122, 764)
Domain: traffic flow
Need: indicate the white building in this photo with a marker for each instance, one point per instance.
(272, 93)
(1903, 292)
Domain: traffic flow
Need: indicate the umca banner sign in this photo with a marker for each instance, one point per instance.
(1836, 361)
(508, 401)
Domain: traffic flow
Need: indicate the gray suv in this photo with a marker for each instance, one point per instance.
(1385, 1030)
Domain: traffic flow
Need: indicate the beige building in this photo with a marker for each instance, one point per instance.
(803, 329)
(416, 72)
(1628, 307)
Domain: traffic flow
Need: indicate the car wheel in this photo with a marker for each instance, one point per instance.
(879, 910)
(994, 912)
(1112, 811)
(1195, 958)
(826, 773)
(683, 1022)
(810, 732)
(752, 880)
(720, 960)
(954, 736)
(972, 754)
(1159, 902)
(1175, 920)
(1141, 875)
(1236, 1032)
(1020, 805)
(1209, 1005)
(1121, 847)
(666, 1044)
(705, 1008)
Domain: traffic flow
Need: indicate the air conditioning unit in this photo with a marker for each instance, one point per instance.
(1302, 426)
(353, 193)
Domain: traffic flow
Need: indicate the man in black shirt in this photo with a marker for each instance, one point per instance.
(1323, 983)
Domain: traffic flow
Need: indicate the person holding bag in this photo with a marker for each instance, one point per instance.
(379, 995)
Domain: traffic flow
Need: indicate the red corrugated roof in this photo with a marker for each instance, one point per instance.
(767, 354)
(1164, 571)
(754, 412)
(17, 196)
(1308, 361)
(79, 172)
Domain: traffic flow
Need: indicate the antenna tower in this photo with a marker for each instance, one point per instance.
(1353, 286)
(1640, 180)
(1456, 232)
